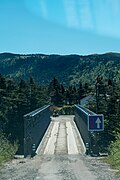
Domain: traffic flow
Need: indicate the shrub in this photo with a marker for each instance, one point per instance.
(114, 153)
(7, 150)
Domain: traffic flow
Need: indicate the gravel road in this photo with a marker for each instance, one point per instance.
(60, 156)
(58, 167)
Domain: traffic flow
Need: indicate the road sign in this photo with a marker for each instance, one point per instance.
(95, 123)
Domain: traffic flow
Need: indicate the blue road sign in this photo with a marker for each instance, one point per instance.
(95, 123)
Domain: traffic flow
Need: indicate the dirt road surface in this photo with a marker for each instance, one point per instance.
(60, 156)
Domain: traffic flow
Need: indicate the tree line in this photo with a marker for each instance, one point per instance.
(16, 100)
(20, 98)
(61, 95)
(107, 102)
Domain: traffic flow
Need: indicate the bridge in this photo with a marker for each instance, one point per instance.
(65, 134)
(60, 144)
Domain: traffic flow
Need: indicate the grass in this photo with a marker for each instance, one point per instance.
(63, 110)
(114, 154)
(7, 150)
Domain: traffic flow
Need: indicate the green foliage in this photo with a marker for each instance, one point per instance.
(63, 110)
(7, 149)
(70, 95)
(114, 153)
(68, 69)
(106, 101)
(67, 110)
(17, 99)
(55, 91)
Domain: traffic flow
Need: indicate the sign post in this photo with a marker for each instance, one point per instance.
(95, 123)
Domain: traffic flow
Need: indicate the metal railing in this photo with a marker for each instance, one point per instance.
(89, 137)
(35, 125)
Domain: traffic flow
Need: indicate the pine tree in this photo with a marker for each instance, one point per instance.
(2, 82)
(100, 94)
(80, 92)
(62, 89)
(55, 91)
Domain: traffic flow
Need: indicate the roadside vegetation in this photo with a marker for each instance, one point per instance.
(7, 149)
(114, 154)
(16, 99)
(107, 102)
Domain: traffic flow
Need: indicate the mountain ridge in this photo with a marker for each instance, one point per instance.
(68, 69)
(26, 54)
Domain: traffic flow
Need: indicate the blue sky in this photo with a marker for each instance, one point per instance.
(60, 26)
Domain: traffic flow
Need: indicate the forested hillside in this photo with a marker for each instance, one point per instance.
(68, 69)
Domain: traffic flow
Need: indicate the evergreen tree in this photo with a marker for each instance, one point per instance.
(2, 82)
(80, 92)
(62, 89)
(55, 91)
(100, 94)
(110, 82)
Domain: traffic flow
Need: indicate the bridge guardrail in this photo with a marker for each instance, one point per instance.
(89, 137)
(35, 125)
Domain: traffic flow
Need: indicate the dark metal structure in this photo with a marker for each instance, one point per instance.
(89, 137)
(35, 125)
(37, 122)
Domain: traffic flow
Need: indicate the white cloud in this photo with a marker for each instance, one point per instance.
(78, 14)
(71, 13)
(85, 14)
(43, 8)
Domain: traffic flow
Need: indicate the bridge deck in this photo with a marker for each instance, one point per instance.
(62, 137)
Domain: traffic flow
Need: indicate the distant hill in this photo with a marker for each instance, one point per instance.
(68, 69)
